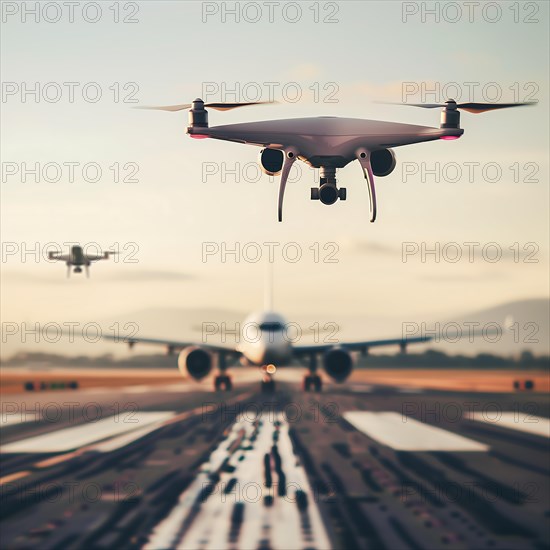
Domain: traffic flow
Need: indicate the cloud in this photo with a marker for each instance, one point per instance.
(305, 71)
(370, 91)
(364, 246)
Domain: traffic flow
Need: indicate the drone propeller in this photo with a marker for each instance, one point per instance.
(470, 107)
(216, 106)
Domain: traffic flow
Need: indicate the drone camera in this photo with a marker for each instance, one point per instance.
(328, 193)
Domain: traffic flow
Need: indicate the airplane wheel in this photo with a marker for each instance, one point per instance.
(317, 383)
(313, 382)
(268, 386)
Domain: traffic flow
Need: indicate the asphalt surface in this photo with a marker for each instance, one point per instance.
(352, 467)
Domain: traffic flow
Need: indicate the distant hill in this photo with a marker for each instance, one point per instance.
(525, 325)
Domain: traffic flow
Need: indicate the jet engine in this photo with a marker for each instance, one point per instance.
(271, 161)
(338, 363)
(195, 362)
(382, 162)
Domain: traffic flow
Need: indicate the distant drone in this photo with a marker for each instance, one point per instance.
(77, 258)
(328, 142)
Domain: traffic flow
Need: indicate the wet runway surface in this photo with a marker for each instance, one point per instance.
(352, 467)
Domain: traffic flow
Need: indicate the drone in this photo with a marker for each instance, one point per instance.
(328, 142)
(76, 258)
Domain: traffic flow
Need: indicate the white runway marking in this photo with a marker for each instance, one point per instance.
(7, 419)
(209, 523)
(520, 421)
(125, 439)
(74, 437)
(403, 433)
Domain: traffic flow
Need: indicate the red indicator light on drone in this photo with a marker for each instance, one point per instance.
(448, 138)
(198, 136)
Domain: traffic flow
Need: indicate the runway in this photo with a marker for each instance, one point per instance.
(356, 466)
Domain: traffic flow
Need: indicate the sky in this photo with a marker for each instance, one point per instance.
(182, 199)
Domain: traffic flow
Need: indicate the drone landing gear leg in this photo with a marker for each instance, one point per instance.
(68, 270)
(363, 156)
(290, 158)
(87, 268)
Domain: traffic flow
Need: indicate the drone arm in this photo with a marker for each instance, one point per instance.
(363, 156)
(57, 256)
(290, 158)
(104, 256)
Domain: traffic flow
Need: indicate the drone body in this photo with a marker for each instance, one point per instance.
(328, 143)
(78, 259)
(324, 141)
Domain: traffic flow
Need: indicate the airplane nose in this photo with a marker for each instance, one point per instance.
(277, 354)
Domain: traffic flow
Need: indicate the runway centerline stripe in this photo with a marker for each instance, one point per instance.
(207, 522)
(520, 421)
(77, 436)
(403, 433)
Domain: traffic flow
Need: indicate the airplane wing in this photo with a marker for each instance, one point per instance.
(172, 345)
(360, 346)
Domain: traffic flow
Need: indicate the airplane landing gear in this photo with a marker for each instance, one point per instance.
(313, 382)
(267, 386)
(222, 382)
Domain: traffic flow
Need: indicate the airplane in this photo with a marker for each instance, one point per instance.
(328, 142)
(77, 258)
(269, 349)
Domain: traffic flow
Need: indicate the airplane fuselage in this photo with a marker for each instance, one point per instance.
(264, 340)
